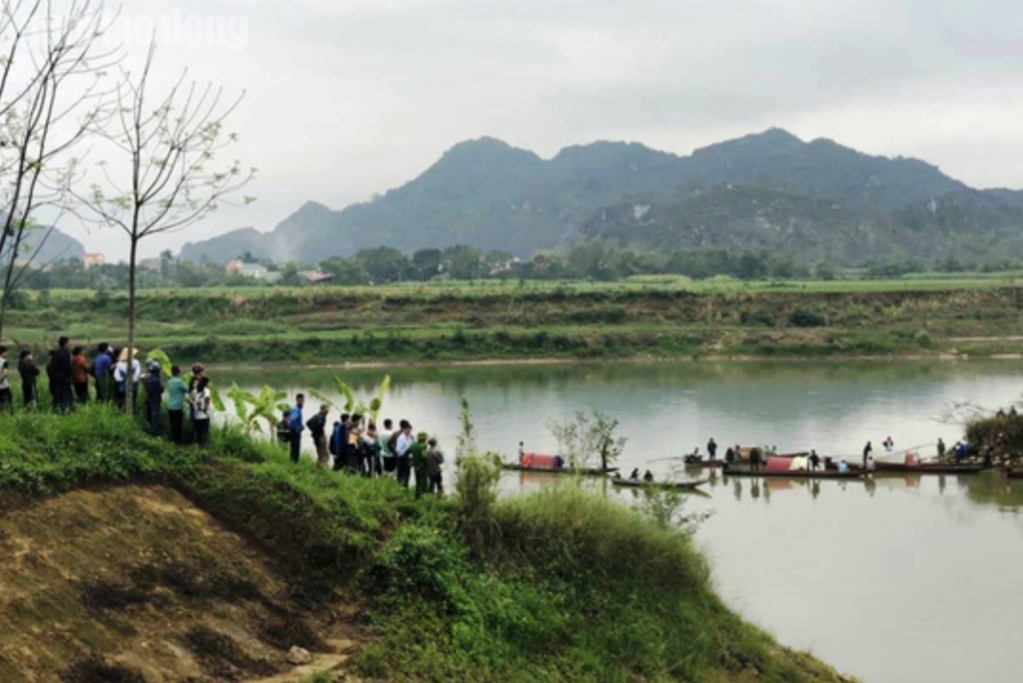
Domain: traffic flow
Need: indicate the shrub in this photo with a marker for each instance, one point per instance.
(804, 317)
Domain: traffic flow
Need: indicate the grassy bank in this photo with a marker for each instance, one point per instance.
(560, 586)
(667, 319)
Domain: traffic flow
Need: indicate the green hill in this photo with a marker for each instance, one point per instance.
(810, 200)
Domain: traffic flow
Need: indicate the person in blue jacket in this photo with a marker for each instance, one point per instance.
(295, 426)
(102, 368)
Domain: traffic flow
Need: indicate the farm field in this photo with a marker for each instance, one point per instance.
(647, 317)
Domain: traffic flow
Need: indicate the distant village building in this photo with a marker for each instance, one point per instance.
(315, 277)
(254, 270)
(94, 260)
(234, 267)
(154, 264)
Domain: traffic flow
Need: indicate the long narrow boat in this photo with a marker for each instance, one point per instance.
(793, 474)
(705, 464)
(926, 468)
(1013, 473)
(582, 471)
(680, 485)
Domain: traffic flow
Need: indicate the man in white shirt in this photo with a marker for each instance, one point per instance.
(386, 454)
(405, 442)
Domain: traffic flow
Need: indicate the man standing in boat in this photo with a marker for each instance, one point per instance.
(867, 450)
(712, 449)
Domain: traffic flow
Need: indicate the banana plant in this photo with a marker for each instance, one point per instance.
(351, 405)
(254, 409)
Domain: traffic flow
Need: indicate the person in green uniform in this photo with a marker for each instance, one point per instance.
(176, 392)
(419, 463)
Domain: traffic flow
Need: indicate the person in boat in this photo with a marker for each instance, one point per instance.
(635, 475)
(941, 449)
(559, 462)
(522, 451)
(843, 467)
(815, 461)
(867, 451)
(648, 477)
(730, 456)
(871, 466)
(694, 457)
(712, 449)
(889, 444)
(755, 458)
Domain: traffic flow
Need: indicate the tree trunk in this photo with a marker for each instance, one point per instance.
(129, 383)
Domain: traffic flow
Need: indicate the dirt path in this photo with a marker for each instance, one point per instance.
(137, 585)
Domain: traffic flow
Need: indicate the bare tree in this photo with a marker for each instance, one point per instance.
(51, 93)
(162, 177)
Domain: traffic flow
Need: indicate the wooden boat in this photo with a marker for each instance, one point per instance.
(582, 471)
(792, 474)
(640, 484)
(1013, 473)
(705, 464)
(926, 468)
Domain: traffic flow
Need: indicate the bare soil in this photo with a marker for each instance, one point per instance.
(137, 585)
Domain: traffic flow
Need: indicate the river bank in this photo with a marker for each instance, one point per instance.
(436, 325)
(561, 586)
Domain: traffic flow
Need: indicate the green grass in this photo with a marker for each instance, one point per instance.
(560, 586)
(495, 321)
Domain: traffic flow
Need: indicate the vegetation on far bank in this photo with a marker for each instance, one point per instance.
(559, 586)
(662, 318)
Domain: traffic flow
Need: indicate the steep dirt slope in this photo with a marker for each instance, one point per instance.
(135, 584)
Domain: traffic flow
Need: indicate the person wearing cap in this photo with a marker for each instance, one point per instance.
(126, 381)
(154, 398)
(418, 452)
(434, 472)
(401, 452)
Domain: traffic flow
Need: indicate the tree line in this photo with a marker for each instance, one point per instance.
(592, 260)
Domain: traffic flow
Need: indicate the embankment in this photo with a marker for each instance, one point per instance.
(565, 322)
(118, 577)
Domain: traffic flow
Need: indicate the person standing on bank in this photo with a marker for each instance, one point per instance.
(317, 425)
(295, 427)
(101, 370)
(29, 371)
(401, 452)
(418, 452)
(61, 376)
(176, 392)
(154, 399)
(202, 404)
(434, 469)
(80, 375)
(6, 398)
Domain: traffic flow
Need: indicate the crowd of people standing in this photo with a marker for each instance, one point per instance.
(109, 377)
(355, 444)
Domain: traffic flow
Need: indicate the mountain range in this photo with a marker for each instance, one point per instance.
(813, 201)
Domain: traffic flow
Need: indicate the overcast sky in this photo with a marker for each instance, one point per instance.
(346, 98)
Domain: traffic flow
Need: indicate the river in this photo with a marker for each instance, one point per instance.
(894, 581)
